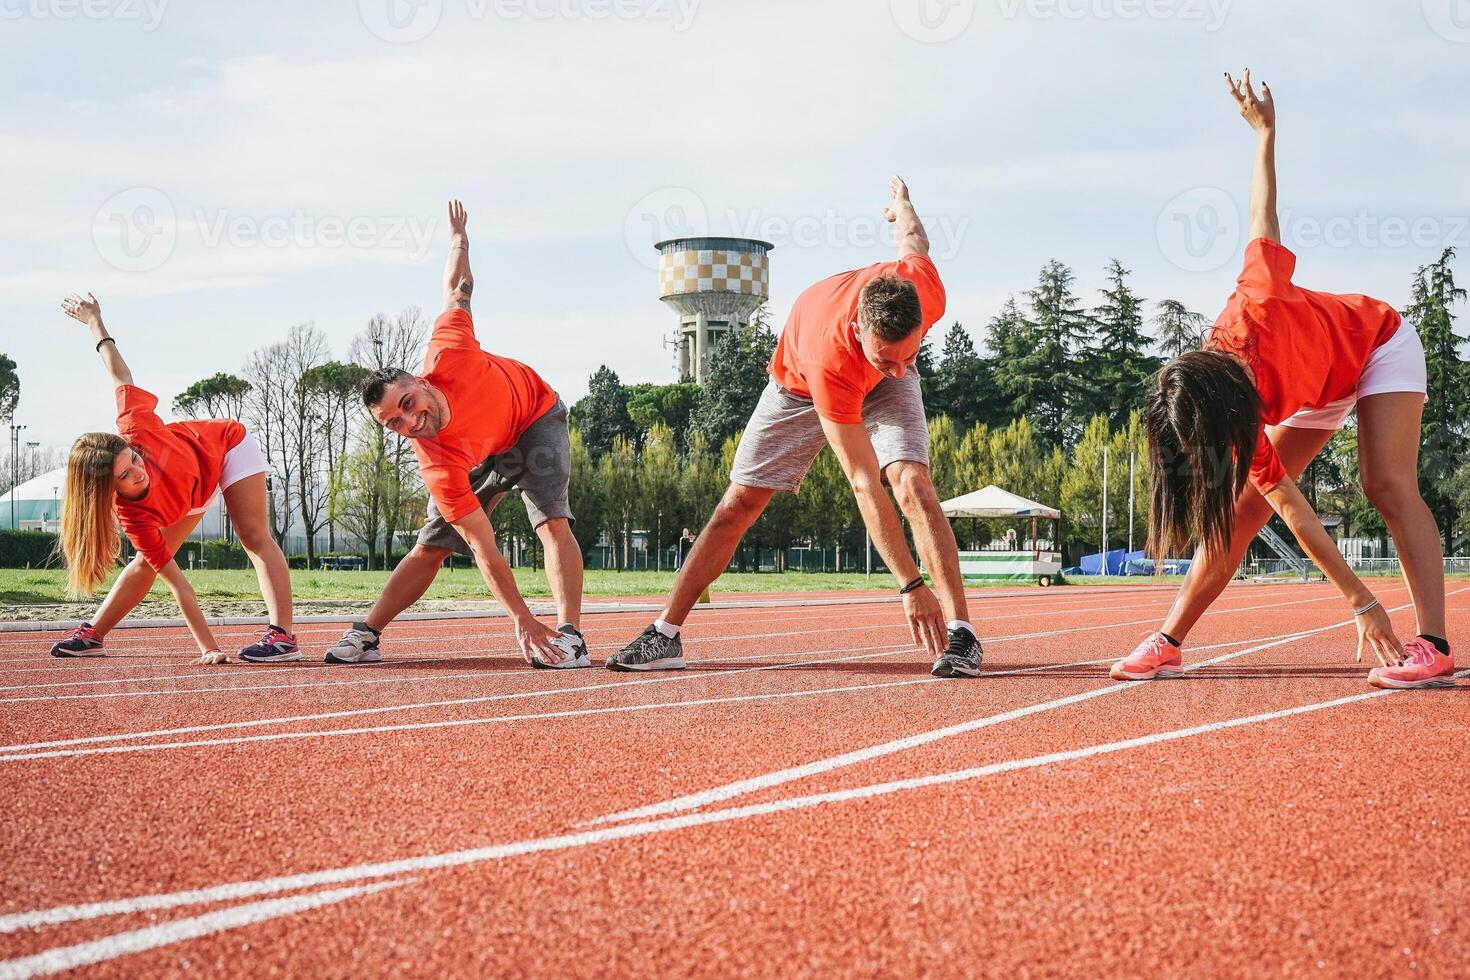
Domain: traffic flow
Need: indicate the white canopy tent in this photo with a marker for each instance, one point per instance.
(995, 502)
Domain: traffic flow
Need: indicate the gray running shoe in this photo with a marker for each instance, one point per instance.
(358, 645)
(963, 657)
(651, 651)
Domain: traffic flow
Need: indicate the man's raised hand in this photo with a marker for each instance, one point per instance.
(900, 197)
(1260, 111)
(457, 218)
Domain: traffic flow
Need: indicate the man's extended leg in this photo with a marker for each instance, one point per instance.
(711, 554)
(659, 647)
(407, 585)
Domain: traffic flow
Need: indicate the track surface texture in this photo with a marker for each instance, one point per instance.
(804, 800)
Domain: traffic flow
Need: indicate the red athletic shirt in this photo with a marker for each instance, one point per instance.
(492, 402)
(818, 356)
(184, 460)
(1307, 349)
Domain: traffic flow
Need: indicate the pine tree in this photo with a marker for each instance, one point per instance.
(1013, 351)
(733, 382)
(603, 414)
(1061, 333)
(964, 382)
(1117, 375)
(1179, 328)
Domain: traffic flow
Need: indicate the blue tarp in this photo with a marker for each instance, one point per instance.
(1120, 562)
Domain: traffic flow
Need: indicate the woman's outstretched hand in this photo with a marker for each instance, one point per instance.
(1260, 111)
(1375, 633)
(87, 310)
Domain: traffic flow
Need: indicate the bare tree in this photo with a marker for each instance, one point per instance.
(267, 412)
(396, 343)
(304, 351)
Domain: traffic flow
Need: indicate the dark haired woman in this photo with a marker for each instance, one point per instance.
(154, 481)
(1233, 425)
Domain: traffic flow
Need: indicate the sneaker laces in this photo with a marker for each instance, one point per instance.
(1419, 652)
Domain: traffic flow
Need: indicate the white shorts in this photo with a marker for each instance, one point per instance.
(244, 460)
(1396, 366)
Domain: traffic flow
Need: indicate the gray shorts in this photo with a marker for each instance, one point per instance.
(785, 434)
(539, 466)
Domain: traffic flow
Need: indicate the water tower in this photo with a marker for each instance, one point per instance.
(714, 284)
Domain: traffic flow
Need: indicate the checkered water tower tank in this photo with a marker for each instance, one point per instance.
(715, 285)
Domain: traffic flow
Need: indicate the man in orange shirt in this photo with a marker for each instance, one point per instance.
(482, 426)
(843, 375)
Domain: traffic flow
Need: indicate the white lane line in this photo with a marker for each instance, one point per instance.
(104, 663)
(294, 719)
(754, 784)
(167, 933)
(234, 891)
(805, 607)
(886, 649)
(541, 716)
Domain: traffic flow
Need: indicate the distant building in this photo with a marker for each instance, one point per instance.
(715, 285)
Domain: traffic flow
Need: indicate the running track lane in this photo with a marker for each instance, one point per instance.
(1040, 862)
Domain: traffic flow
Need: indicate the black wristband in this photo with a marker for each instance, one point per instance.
(917, 583)
(105, 340)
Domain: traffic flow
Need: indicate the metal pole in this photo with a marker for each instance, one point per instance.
(867, 553)
(1131, 458)
(15, 431)
(1104, 568)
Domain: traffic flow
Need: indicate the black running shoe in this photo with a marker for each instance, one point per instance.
(963, 657)
(651, 651)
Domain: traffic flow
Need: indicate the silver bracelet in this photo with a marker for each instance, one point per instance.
(1366, 608)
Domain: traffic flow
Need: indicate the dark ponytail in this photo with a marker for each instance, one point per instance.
(1203, 420)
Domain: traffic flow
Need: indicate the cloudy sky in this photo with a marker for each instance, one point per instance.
(217, 172)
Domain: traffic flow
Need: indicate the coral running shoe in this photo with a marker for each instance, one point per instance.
(275, 646)
(1154, 657)
(1423, 666)
(83, 641)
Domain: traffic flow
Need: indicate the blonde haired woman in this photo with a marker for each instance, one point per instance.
(154, 481)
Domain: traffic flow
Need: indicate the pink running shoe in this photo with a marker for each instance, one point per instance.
(1154, 657)
(1423, 666)
(83, 641)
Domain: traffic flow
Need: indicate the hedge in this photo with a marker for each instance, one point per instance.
(28, 549)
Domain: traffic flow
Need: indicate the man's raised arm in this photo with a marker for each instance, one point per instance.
(458, 281)
(908, 232)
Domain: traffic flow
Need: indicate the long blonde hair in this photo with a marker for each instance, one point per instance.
(89, 530)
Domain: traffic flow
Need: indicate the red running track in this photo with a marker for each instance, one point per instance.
(805, 800)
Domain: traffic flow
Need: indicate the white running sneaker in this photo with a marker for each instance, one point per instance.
(573, 644)
(358, 645)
